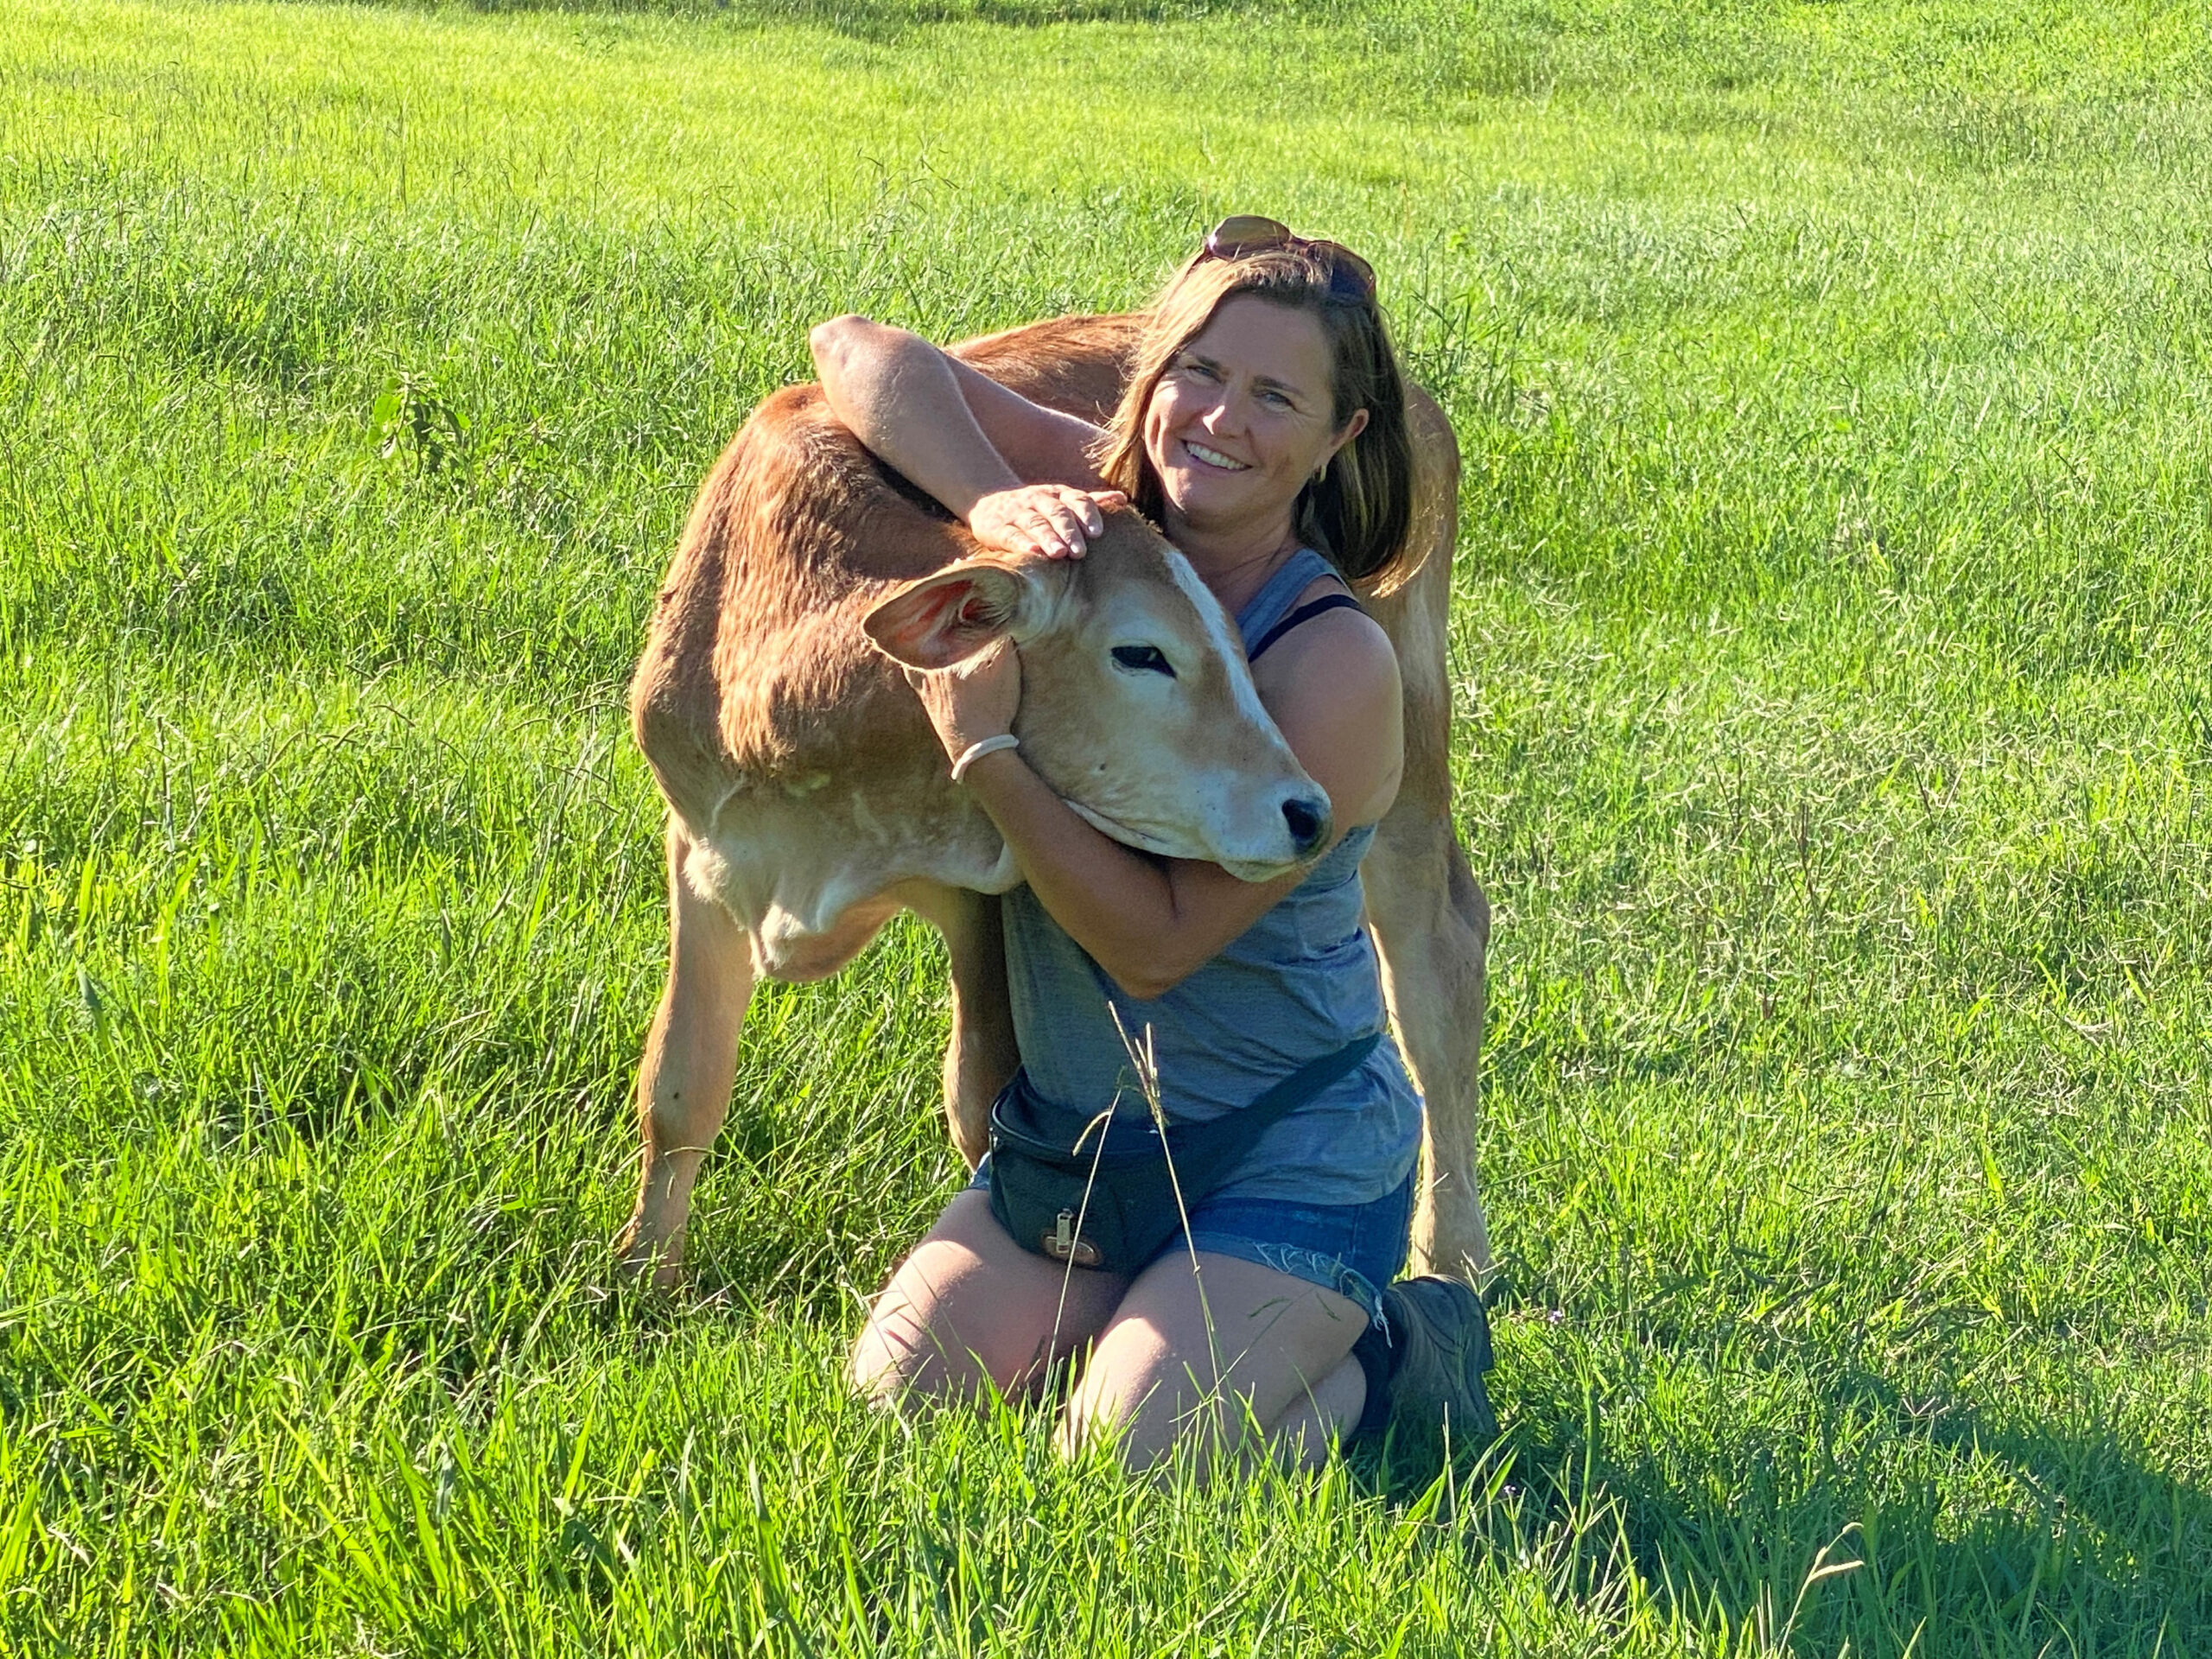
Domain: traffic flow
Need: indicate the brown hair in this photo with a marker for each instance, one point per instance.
(1360, 512)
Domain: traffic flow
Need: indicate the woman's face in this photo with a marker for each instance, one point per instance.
(1243, 417)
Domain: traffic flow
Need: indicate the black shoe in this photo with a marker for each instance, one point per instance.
(1439, 1348)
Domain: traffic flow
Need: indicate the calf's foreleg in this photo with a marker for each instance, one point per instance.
(689, 1063)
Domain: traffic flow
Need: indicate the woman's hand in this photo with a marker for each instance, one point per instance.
(972, 700)
(1051, 520)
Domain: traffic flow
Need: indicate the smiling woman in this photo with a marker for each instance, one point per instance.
(1265, 431)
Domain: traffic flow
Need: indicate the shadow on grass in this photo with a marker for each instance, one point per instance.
(1945, 1527)
(1948, 1520)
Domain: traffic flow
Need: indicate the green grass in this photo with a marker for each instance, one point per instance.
(1834, 642)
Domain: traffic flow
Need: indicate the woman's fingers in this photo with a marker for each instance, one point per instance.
(1058, 528)
(1080, 514)
(1055, 538)
(1053, 521)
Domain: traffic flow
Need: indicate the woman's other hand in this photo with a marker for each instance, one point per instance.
(971, 700)
(1053, 520)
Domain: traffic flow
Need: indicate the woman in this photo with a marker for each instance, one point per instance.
(1264, 431)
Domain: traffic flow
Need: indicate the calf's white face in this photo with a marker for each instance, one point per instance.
(1137, 707)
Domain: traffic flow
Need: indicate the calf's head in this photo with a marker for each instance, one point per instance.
(1137, 706)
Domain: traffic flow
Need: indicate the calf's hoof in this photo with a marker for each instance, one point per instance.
(658, 1262)
(1450, 1241)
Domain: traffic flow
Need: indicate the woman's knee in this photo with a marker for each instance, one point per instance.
(888, 1371)
(1144, 1394)
(1105, 1392)
(969, 1314)
(1224, 1368)
(913, 1343)
(1149, 1411)
(885, 1363)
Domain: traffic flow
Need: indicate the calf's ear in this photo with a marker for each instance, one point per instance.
(947, 618)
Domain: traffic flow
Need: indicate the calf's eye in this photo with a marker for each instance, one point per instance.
(1143, 660)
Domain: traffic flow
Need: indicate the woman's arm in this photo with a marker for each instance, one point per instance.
(1150, 924)
(1017, 473)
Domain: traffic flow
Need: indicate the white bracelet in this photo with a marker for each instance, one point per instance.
(976, 751)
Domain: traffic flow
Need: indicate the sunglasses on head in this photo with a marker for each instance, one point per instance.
(1350, 277)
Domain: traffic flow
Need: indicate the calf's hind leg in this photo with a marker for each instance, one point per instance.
(1430, 918)
(981, 1055)
(1433, 924)
(690, 1062)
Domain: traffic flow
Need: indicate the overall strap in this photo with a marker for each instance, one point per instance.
(1303, 613)
(1309, 1080)
(1279, 593)
(1220, 1142)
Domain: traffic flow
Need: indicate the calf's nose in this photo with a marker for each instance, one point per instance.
(1308, 821)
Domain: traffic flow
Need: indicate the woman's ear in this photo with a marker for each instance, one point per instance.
(1353, 427)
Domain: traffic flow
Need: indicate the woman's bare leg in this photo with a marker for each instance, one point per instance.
(971, 1311)
(1317, 1423)
(1276, 1353)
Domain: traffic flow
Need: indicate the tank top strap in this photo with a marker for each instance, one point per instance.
(1279, 593)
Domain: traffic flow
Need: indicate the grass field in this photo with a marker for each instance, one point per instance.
(1834, 642)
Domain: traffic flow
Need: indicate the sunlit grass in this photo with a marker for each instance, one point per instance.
(1836, 743)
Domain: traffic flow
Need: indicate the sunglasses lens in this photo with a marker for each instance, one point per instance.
(1243, 233)
(1349, 274)
(1350, 277)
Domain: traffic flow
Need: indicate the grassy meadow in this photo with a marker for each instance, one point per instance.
(1834, 641)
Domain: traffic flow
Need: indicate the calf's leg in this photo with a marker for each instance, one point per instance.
(1433, 924)
(981, 1055)
(689, 1063)
(1430, 918)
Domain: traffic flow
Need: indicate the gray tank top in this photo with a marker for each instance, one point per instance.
(1302, 981)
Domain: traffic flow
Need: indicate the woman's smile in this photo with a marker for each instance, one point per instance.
(1211, 457)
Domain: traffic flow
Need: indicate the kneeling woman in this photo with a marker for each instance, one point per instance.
(1264, 430)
